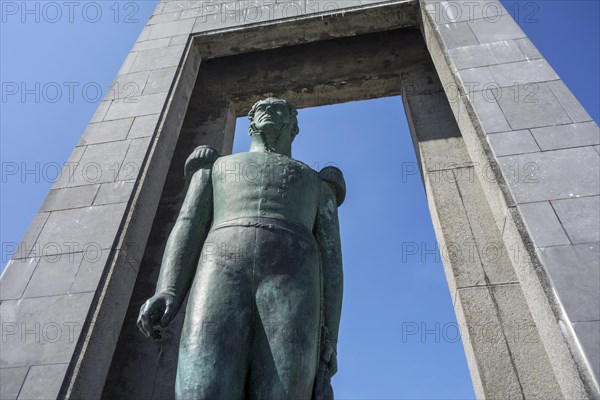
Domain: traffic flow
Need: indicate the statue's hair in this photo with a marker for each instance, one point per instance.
(292, 110)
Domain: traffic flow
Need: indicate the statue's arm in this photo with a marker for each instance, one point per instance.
(327, 234)
(184, 245)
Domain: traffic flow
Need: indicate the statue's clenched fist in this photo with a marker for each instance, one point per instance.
(156, 311)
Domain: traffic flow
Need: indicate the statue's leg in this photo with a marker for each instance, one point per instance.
(215, 340)
(286, 323)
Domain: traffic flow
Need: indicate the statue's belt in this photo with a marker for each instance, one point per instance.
(269, 223)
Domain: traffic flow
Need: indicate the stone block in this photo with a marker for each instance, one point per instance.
(101, 111)
(528, 49)
(486, 236)
(144, 126)
(514, 142)
(178, 40)
(114, 192)
(151, 44)
(133, 163)
(15, 277)
(458, 246)
(552, 175)
(457, 35)
(53, 275)
(67, 174)
(565, 136)
(127, 88)
(481, 55)
(128, 63)
(575, 274)
(476, 78)
(496, 30)
(43, 382)
(532, 106)
(490, 355)
(81, 229)
(542, 224)
(173, 28)
(27, 244)
(11, 380)
(90, 271)
(141, 105)
(75, 197)
(100, 163)
(522, 72)
(107, 131)
(580, 218)
(160, 80)
(588, 334)
(42, 330)
(164, 17)
(443, 12)
(568, 101)
(488, 112)
(526, 348)
(163, 57)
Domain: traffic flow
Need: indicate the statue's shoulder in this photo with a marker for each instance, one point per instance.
(201, 157)
(334, 177)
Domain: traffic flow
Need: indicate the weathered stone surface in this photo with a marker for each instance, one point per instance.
(485, 344)
(481, 55)
(27, 245)
(11, 381)
(100, 163)
(89, 272)
(143, 126)
(514, 142)
(543, 225)
(526, 348)
(43, 382)
(75, 197)
(558, 174)
(78, 229)
(496, 30)
(589, 337)
(108, 131)
(565, 136)
(532, 106)
(41, 330)
(575, 274)
(53, 275)
(15, 277)
(523, 72)
(568, 101)
(114, 192)
(457, 35)
(580, 218)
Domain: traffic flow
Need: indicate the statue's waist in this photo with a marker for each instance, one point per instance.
(267, 223)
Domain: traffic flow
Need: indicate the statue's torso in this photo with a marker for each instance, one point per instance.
(264, 185)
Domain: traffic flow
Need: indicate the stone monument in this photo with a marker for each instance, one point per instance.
(515, 175)
(260, 254)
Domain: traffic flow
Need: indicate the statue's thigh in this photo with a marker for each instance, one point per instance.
(215, 340)
(286, 325)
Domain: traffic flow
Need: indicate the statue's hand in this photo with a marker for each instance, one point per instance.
(156, 311)
(329, 359)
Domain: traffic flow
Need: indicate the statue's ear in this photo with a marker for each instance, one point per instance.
(335, 178)
(201, 157)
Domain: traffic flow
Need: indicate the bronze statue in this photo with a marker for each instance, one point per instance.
(257, 241)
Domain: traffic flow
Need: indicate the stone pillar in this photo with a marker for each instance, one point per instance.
(498, 332)
(535, 149)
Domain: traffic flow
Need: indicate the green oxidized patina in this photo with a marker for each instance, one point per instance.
(257, 244)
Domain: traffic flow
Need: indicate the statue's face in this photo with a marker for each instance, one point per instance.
(271, 117)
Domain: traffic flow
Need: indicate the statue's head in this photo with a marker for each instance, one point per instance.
(273, 117)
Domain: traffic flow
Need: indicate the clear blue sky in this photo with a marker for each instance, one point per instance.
(383, 291)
